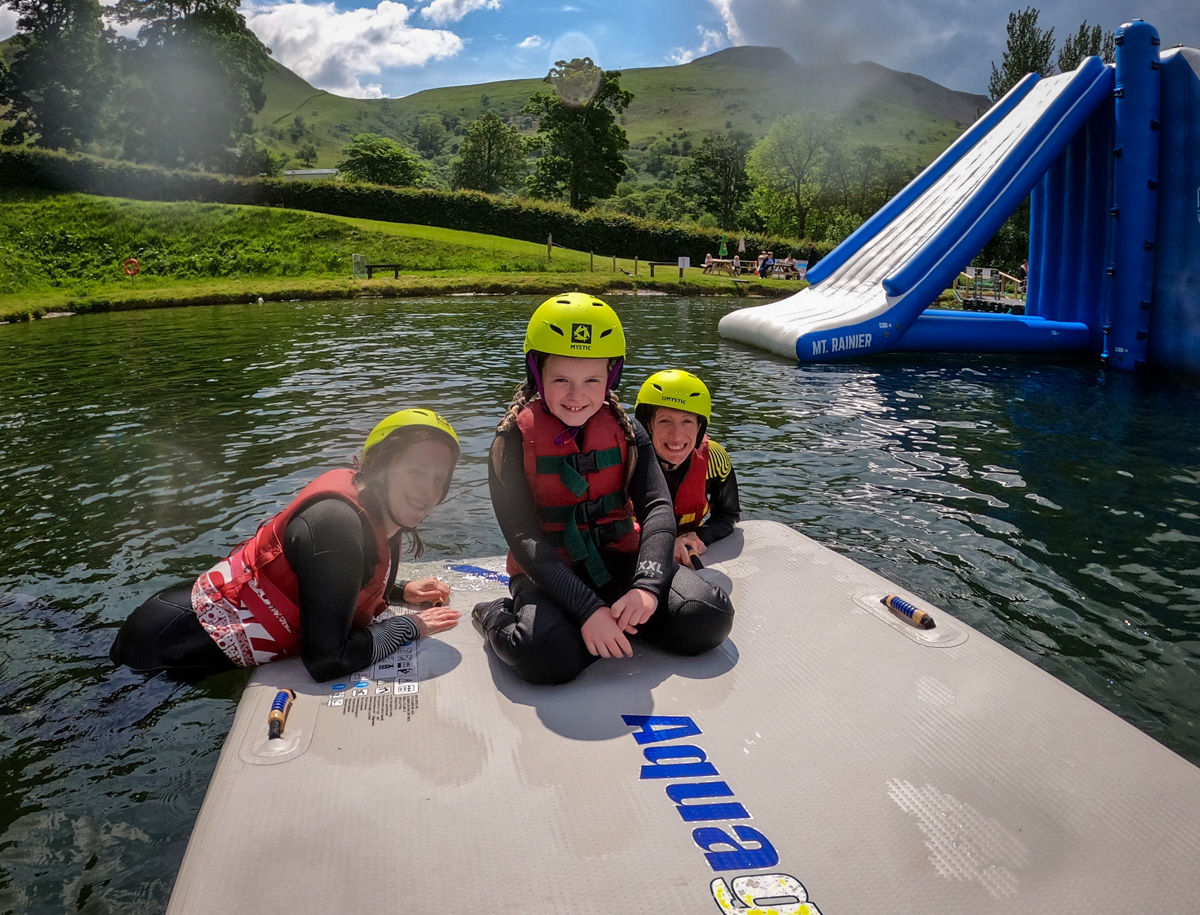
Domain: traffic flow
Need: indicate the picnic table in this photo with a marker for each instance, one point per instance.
(723, 265)
(794, 271)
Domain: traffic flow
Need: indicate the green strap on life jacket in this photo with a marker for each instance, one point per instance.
(583, 545)
(571, 468)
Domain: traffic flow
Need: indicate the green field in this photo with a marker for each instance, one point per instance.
(64, 252)
(740, 88)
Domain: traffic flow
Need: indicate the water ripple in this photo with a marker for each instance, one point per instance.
(1054, 507)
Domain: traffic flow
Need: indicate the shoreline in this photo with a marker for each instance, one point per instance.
(19, 307)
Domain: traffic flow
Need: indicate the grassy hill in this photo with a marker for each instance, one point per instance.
(64, 252)
(746, 88)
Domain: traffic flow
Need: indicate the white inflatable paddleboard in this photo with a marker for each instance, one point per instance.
(830, 758)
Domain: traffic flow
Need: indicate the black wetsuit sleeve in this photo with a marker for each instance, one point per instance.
(656, 512)
(724, 508)
(512, 501)
(324, 544)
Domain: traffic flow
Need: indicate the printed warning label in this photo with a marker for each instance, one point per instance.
(387, 690)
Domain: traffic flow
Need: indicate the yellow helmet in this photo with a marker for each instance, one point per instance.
(411, 417)
(576, 324)
(677, 389)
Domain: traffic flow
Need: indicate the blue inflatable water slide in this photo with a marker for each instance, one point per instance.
(1110, 158)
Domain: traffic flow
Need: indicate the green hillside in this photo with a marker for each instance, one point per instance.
(66, 252)
(744, 88)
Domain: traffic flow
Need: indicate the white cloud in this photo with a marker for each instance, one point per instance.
(333, 49)
(709, 41)
(533, 41)
(442, 11)
(732, 29)
(8, 23)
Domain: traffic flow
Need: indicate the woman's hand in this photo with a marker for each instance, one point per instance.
(435, 619)
(633, 609)
(426, 591)
(685, 542)
(603, 637)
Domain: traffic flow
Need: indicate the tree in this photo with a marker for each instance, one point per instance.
(1028, 50)
(717, 171)
(193, 80)
(1087, 42)
(307, 154)
(789, 161)
(582, 140)
(492, 156)
(60, 73)
(378, 160)
(430, 136)
(863, 179)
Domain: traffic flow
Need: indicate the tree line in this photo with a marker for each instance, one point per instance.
(803, 179)
(183, 91)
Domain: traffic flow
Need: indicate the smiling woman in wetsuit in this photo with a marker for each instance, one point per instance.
(312, 579)
(675, 408)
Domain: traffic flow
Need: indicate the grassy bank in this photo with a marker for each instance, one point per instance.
(64, 252)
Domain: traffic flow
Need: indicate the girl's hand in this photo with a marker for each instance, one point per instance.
(435, 619)
(683, 543)
(633, 609)
(426, 591)
(603, 637)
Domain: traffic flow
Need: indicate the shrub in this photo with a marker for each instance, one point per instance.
(529, 220)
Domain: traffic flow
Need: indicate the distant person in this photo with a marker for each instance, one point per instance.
(764, 266)
(812, 255)
(789, 264)
(1024, 276)
(675, 408)
(737, 266)
(312, 580)
(708, 263)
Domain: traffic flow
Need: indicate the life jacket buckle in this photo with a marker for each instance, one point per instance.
(589, 512)
(582, 463)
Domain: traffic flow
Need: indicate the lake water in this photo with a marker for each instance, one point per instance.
(1056, 508)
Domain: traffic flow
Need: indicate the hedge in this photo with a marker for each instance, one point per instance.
(528, 220)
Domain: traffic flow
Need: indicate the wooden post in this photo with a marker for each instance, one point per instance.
(549, 245)
(614, 263)
(635, 260)
(591, 261)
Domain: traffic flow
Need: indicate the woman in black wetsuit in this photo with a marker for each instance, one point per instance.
(312, 579)
(674, 406)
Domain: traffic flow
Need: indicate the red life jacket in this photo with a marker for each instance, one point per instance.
(691, 499)
(249, 602)
(579, 489)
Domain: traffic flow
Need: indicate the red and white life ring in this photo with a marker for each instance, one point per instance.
(132, 267)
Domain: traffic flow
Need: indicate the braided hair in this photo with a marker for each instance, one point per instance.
(527, 391)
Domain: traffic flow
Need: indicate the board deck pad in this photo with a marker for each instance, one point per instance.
(828, 758)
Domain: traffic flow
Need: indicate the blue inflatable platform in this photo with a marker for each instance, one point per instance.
(1110, 158)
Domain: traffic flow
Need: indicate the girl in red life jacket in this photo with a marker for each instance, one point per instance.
(313, 578)
(584, 507)
(675, 408)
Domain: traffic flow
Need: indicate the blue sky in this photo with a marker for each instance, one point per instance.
(390, 48)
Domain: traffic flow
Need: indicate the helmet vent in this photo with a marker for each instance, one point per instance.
(606, 332)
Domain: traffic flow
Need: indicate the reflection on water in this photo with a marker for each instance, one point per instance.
(1055, 508)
